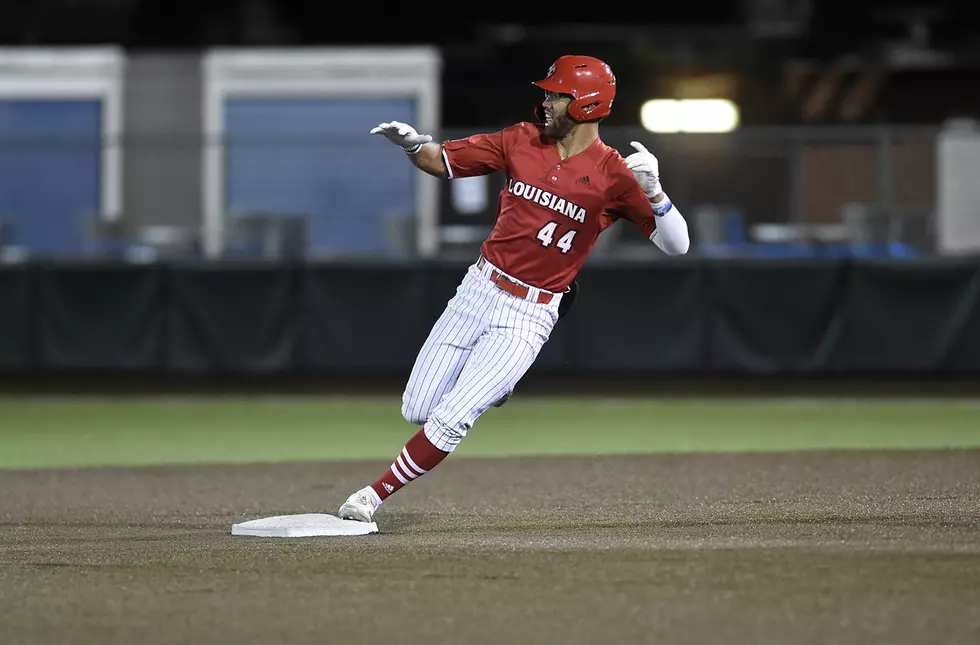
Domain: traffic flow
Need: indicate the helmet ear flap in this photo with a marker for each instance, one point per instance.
(582, 113)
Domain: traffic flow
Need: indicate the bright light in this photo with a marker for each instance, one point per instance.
(689, 115)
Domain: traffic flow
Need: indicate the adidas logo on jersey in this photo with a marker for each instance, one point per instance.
(583, 180)
(544, 198)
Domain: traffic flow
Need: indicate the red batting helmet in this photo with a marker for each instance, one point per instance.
(588, 80)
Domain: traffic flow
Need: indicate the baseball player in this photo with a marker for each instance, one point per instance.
(564, 187)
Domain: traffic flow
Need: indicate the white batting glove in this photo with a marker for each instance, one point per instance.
(646, 169)
(403, 136)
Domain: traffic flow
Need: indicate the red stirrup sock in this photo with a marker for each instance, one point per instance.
(418, 457)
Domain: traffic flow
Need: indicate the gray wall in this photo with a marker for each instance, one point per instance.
(162, 153)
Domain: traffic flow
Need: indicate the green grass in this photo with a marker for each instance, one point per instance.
(41, 433)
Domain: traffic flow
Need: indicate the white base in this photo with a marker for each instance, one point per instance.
(305, 525)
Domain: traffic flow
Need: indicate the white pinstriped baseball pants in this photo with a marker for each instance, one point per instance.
(477, 351)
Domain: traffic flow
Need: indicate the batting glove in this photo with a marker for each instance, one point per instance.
(403, 136)
(646, 169)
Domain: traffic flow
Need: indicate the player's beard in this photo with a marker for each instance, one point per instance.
(559, 128)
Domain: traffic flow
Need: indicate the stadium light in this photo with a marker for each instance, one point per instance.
(689, 115)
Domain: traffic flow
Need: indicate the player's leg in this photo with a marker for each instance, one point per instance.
(514, 331)
(497, 363)
(437, 367)
(517, 330)
(440, 360)
(439, 363)
(564, 306)
(436, 370)
(499, 360)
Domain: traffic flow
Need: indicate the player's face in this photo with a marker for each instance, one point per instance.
(557, 123)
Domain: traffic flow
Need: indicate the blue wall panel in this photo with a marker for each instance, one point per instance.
(50, 171)
(316, 157)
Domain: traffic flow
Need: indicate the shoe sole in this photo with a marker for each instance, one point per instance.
(352, 513)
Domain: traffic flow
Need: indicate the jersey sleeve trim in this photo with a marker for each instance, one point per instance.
(445, 160)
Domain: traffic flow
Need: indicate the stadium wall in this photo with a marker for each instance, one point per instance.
(365, 323)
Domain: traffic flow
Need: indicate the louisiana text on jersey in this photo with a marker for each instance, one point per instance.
(545, 198)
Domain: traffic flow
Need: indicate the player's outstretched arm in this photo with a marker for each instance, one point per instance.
(429, 159)
(424, 154)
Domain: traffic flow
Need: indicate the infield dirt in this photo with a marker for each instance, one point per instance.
(820, 547)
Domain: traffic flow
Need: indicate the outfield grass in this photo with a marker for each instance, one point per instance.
(65, 432)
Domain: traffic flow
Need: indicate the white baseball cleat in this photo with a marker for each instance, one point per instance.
(360, 506)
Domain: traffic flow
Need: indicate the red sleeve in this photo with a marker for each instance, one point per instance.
(631, 203)
(478, 154)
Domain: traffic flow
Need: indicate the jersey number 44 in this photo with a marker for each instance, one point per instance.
(547, 235)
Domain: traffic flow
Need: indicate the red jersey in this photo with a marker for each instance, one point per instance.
(551, 210)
